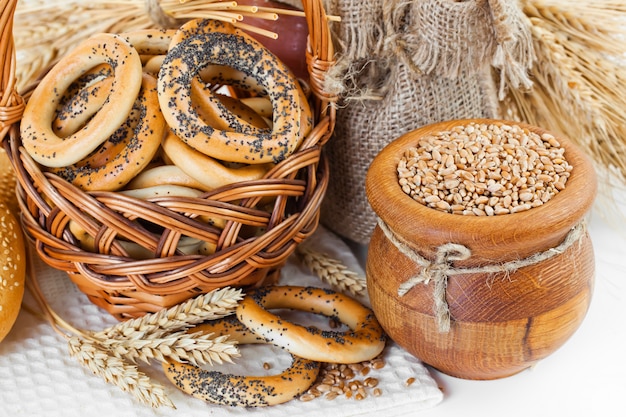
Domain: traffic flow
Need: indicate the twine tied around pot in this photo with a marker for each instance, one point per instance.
(441, 268)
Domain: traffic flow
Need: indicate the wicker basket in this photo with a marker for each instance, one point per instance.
(129, 287)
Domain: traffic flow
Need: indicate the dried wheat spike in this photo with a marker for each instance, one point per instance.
(215, 304)
(333, 271)
(195, 348)
(115, 371)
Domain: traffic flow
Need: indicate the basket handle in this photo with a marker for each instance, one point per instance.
(320, 56)
(11, 103)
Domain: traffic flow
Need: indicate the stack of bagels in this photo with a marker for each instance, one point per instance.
(165, 113)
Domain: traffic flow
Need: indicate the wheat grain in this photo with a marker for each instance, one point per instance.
(343, 379)
(482, 169)
(333, 271)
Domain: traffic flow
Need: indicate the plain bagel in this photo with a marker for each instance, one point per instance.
(206, 170)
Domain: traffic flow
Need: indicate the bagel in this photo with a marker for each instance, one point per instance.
(363, 341)
(38, 138)
(149, 42)
(13, 271)
(151, 45)
(153, 64)
(78, 104)
(261, 105)
(164, 190)
(164, 175)
(236, 390)
(210, 172)
(258, 101)
(80, 107)
(225, 112)
(202, 42)
(172, 190)
(125, 153)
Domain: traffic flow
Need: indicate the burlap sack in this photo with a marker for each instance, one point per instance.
(404, 64)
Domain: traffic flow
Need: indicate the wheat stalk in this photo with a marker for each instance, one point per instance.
(578, 77)
(115, 371)
(210, 306)
(157, 336)
(163, 334)
(332, 271)
(195, 348)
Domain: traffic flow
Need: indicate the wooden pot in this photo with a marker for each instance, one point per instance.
(500, 323)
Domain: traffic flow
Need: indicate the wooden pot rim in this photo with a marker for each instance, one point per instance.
(414, 221)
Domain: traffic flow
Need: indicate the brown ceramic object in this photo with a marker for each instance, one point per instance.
(500, 325)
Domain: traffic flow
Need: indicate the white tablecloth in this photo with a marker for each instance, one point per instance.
(39, 378)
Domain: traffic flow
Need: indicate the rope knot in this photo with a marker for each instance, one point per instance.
(437, 271)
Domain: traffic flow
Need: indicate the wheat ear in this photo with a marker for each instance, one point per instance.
(213, 305)
(332, 271)
(156, 336)
(195, 348)
(579, 77)
(117, 372)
